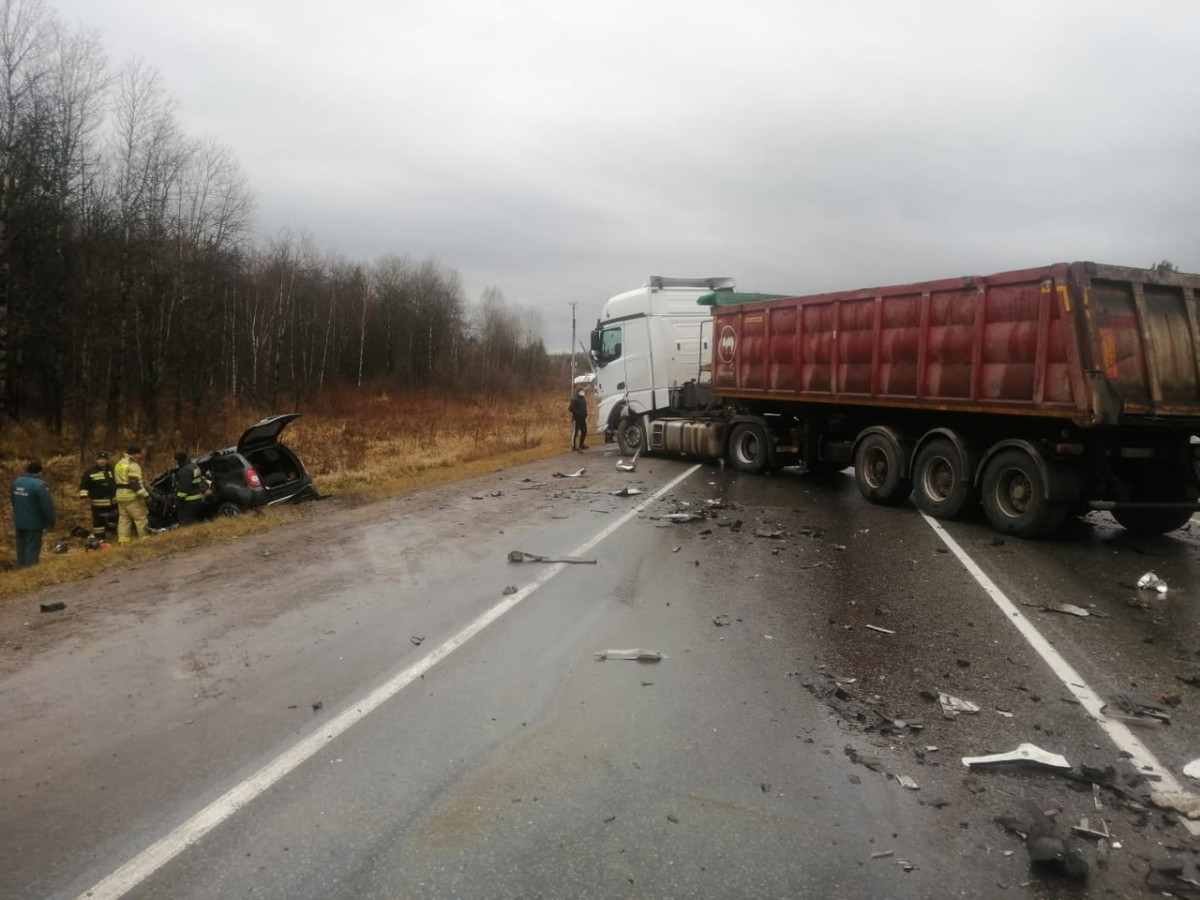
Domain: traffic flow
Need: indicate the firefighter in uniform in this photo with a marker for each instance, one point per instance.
(132, 515)
(98, 487)
(189, 490)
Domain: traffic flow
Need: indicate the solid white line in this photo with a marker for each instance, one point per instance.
(166, 848)
(1117, 732)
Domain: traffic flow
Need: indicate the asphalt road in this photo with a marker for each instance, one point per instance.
(379, 703)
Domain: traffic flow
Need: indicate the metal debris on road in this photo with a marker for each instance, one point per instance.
(516, 556)
(417, 639)
(907, 782)
(626, 492)
(1151, 582)
(721, 620)
(511, 589)
(1136, 711)
(647, 656)
(768, 533)
(1084, 828)
(630, 466)
(953, 707)
(680, 518)
(576, 474)
(1025, 753)
(882, 854)
(880, 630)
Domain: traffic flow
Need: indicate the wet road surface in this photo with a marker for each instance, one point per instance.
(765, 756)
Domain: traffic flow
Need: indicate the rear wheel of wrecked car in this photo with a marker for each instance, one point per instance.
(1152, 521)
(228, 510)
(748, 449)
(879, 470)
(941, 483)
(630, 436)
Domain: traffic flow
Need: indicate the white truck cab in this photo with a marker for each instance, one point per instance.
(647, 342)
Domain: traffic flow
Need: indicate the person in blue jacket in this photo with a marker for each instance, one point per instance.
(33, 510)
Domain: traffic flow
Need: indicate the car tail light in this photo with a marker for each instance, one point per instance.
(252, 477)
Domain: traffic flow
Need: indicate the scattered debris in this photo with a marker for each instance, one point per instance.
(417, 639)
(626, 492)
(953, 707)
(1084, 828)
(576, 474)
(1151, 582)
(882, 854)
(318, 706)
(721, 620)
(880, 630)
(630, 466)
(680, 518)
(511, 589)
(1136, 711)
(907, 782)
(59, 547)
(517, 556)
(1025, 753)
(1192, 769)
(1182, 802)
(1047, 851)
(768, 533)
(56, 606)
(646, 656)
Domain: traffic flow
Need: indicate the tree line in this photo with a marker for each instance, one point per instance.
(132, 290)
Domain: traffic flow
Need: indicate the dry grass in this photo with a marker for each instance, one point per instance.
(366, 448)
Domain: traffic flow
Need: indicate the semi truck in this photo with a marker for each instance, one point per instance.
(1038, 393)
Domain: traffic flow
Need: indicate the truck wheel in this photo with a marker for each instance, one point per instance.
(1152, 521)
(1014, 497)
(748, 448)
(629, 435)
(878, 470)
(941, 485)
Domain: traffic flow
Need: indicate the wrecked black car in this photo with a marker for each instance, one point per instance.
(259, 471)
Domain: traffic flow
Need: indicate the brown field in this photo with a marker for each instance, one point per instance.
(356, 448)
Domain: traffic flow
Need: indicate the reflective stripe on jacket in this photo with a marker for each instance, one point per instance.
(189, 483)
(99, 485)
(129, 479)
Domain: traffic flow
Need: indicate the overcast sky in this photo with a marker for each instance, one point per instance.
(563, 151)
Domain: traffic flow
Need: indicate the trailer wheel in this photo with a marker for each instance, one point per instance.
(629, 435)
(941, 485)
(748, 448)
(1014, 497)
(1152, 521)
(878, 470)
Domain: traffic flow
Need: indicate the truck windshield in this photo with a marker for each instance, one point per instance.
(610, 346)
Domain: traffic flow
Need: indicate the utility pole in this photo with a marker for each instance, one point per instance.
(572, 390)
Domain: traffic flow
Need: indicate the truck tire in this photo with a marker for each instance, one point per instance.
(1152, 521)
(1014, 497)
(748, 450)
(630, 436)
(878, 470)
(941, 483)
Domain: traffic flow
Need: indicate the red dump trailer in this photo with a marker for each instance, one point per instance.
(1040, 393)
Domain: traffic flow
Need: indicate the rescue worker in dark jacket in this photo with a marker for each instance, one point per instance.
(578, 409)
(33, 512)
(98, 487)
(189, 490)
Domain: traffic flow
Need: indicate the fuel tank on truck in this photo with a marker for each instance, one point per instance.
(1099, 344)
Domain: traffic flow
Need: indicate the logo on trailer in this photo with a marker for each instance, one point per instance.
(727, 344)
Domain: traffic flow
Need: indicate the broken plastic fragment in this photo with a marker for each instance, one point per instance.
(1192, 769)
(955, 706)
(630, 466)
(1150, 581)
(626, 492)
(1025, 753)
(636, 655)
(576, 474)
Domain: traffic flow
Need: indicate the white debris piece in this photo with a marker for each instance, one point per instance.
(1151, 582)
(955, 706)
(630, 466)
(1025, 753)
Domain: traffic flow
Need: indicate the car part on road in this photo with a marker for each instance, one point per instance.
(1025, 753)
(517, 556)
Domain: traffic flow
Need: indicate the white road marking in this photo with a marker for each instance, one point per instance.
(166, 848)
(1117, 732)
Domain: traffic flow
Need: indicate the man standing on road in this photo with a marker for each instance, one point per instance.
(189, 489)
(98, 488)
(578, 409)
(33, 512)
(132, 515)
